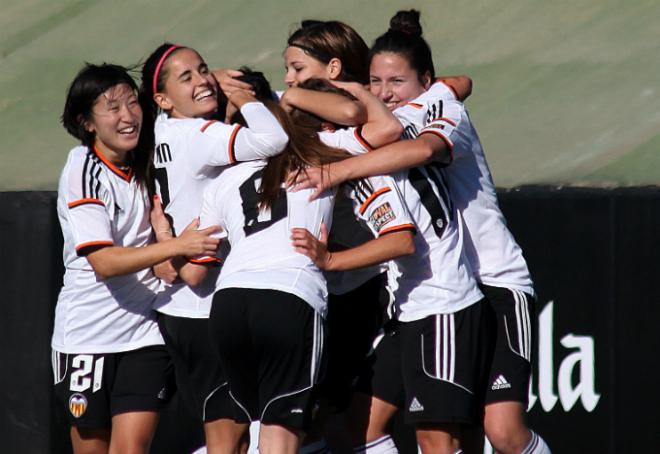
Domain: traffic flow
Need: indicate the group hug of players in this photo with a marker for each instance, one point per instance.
(334, 252)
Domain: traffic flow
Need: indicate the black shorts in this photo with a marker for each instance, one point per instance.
(271, 346)
(95, 387)
(199, 375)
(354, 320)
(434, 368)
(510, 369)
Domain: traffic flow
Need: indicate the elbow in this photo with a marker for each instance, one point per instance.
(355, 114)
(408, 246)
(192, 281)
(193, 275)
(104, 272)
(427, 152)
(281, 141)
(394, 131)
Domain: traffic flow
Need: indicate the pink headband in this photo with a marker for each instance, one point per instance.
(160, 63)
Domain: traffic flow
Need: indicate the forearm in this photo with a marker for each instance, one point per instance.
(264, 136)
(382, 127)
(116, 261)
(400, 155)
(192, 274)
(373, 252)
(332, 107)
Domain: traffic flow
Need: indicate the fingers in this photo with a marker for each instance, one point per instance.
(193, 225)
(317, 193)
(211, 230)
(324, 234)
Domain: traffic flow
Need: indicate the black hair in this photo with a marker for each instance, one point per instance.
(90, 83)
(404, 37)
(146, 94)
(261, 87)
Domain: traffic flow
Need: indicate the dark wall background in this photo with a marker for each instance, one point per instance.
(593, 254)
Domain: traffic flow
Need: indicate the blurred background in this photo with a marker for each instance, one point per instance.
(566, 92)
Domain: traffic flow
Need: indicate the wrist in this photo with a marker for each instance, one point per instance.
(164, 235)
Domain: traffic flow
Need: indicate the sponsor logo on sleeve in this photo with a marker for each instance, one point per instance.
(381, 216)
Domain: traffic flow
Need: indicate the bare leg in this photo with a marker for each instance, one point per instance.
(90, 441)
(505, 427)
(369, 418)
(274, 439)
(225, 436)
(133, 432)
(439, 438)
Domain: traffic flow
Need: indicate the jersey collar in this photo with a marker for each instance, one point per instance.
(116, 170)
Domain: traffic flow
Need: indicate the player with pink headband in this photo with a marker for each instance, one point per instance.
(192, 147)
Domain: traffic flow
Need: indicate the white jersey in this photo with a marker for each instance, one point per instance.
(262, 255)
(495, 257)
(436, 279)
(189, 154)
(101, 205)
(347, 229)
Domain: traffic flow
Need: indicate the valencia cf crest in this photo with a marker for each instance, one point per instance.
(77, 405)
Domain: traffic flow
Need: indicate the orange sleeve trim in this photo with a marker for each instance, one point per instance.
(451, 122)
(116, 170)
(79, 202)
(415, 105)
(444, 139)
(207, 124)
(93, 244)
(205, 260)
(372, 197)
(453, 90)
(398, 228)
(232, 144)
(360, 138)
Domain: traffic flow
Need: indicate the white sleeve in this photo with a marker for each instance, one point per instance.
(218, 144)
(210, 144)
(211, 215)
(442, 120)
(264, 137)
(349, 139)
(441, 90)
(89, 204)
(378, 202)
(306, 214)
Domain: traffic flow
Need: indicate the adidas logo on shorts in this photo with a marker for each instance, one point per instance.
(500, 383)
(415, 406)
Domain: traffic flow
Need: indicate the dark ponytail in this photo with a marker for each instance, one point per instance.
(404, 38)
(149, 107)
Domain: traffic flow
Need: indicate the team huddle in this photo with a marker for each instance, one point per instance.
(326, 256)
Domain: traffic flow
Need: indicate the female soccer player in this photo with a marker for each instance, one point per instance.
(268, 292)
(191, 149)
(401, 75)
(109, 361)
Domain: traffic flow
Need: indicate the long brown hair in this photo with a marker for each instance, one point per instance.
(325, 40)
(304, 149)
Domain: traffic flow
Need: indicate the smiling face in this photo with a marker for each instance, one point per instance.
(116, 120)
(299, 67)
(190, 89)
(394, 81)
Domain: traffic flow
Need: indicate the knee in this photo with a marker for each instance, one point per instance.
(507, 438)
(431, 442)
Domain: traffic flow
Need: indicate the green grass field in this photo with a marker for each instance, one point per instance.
(566, 92)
